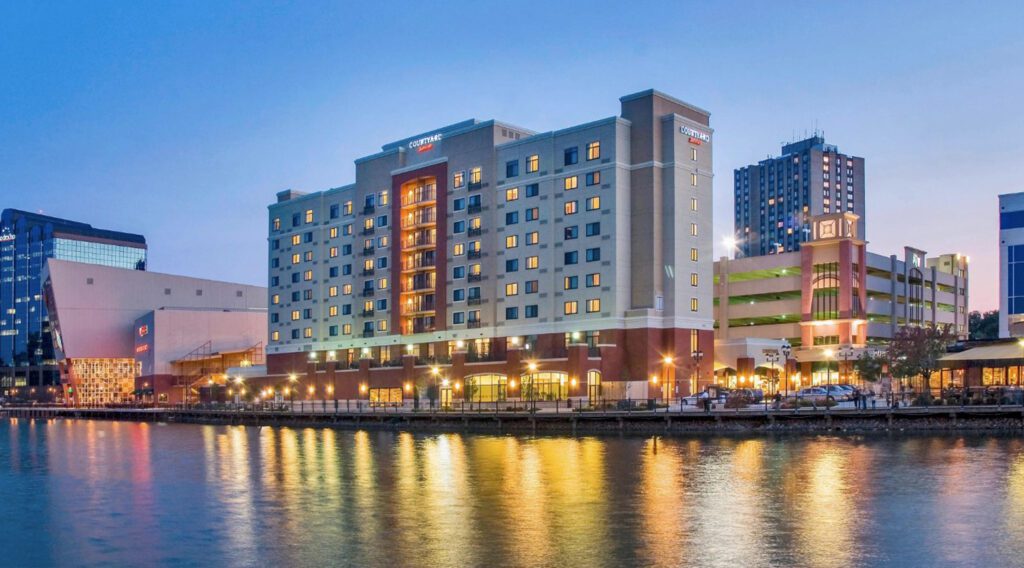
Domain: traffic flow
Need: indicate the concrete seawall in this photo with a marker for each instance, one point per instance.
(1005, 418)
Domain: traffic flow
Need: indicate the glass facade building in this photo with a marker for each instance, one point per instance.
(27, 240)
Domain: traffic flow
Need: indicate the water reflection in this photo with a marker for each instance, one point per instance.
(123, 493)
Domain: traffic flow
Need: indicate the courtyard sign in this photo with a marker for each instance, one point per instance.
(426, 143)
(696, 136)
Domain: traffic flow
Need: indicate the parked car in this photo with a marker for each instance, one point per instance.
(699, 398)
(813, 394)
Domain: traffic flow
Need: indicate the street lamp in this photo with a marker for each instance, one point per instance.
(532, 368)
(787, 350)
(697, 356)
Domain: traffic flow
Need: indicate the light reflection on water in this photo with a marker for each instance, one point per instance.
(109, 493)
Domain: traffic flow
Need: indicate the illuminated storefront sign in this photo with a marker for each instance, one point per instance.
(142, 348)
(143, 331)
(696, 137)
(6, 236)
(426, 143)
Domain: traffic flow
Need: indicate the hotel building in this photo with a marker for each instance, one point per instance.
(27, 240)
(1011, 265)
(776, 198)
(572, 261)
(832, 293)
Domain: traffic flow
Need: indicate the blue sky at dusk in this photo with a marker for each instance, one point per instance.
(181, 120)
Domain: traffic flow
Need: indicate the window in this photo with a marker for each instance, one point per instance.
(296, 315)
(693, 279)
(572, 257)
(333, 271)
(532, 238)
(475, 175)
(308, 256)
(571, 207)
(459, 249)
(571, 232)
(459, 204)
(512, 265)
(593, 306)
(309, 215)
(571, 156)
(570, 308)
(511, 241)
(382, 221)
(332, 233)
(308, 275)
(512, 168)
(532, 163)
(512, 289)
(332, 252)
(296, 219)
(593, 254)
(295, 277)
(459, 179)
(275, 299)
(693, 229)
(335, 211)
(593, 150)
(275, 263)
(382, 325)
(347, 229)
(333, 331)
(593, 203)
(532, 214)
(693, 154)
(693, 180)
(307, 237)
(693, 304)
(693, 254)
(511, 313)
(593, 229)
(530, 311)
(332, 311)
(459, 227)
(346, 329)
(295, 333)
(276, 336)
(458, 272)
(346, 310)
(348, 208)
(593, 280)
(459, 294)
(571, 182)
(570, 283)
(532, 190)
(346, 289)
(531, 286)
(458, 317)
(474, 223)
(594, 178)
(693, 204)
(332, 292)
(512, 194)
(532, 262)
(296, 239)
(277, 223)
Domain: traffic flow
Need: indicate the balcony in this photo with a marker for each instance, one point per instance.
(475, 277)
(367, 292)
(419, 325)
(418, 309)
(421, 218)
(474, 254)
(419, 241)
(367, 313)
(414, 264)
(474, 209)
(475, 232)
(419, 196)
(368, 251)
(367, 333)
(473, 324)
(367, 231)
(418, 287)
(368, 210)
(474, 186)
(474, 302)
(367, 272)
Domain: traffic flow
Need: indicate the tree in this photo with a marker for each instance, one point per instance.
(870, 365)
(915, 351)
(983, 326)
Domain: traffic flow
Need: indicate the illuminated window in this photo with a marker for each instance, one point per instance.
(693, 279)
(512, 289)
(593, 178)
(570, 283)
(511, 194)
(572, 307)
(333, 233)
(277, 223)
(532, 163)
(296, 315)
(308, 275)
(459, 179)
(570, 207)
(693, 304)
(296, 239)
(593, 203)
(368, 223)
(368, 264)
(382, 197)
(693, 180)
(532, 262)
(459, 249)
(347, 229)
(693, 229)
(474, 223)
(348, 207)
(382, 283)
(307, 256)
(332, 311)
(693, 204)
(532, 238)
(593, 152)
(693, 254)
(511, 241)
(332, 291)
(474, 269)
(475, 175)
(346, 329)
(693, 154)
(593, 306)
(309, 215)
(275, 299)
(382, 325)
(332, 252)
(346, 289)
(593, 280)
(307, 333)
(276, 336)
(571, 182)
(296, 258)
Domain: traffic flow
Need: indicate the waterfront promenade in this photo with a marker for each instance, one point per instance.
(995, 417)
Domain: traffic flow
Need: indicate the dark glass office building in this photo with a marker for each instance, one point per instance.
(776, 198)
(26, 241)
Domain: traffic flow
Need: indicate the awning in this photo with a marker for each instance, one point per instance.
(1008, 350)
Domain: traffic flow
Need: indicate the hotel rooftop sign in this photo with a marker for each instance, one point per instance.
(426, 143)
(696, 136)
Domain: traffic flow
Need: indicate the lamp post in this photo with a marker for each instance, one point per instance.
(697, 356)
(773, 358)
(666, 365)
(787, 350)
(532, 368)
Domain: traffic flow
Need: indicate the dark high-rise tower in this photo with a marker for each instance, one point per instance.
(26, 241)
(776, 198)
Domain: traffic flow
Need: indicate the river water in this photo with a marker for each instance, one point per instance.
(95, 493)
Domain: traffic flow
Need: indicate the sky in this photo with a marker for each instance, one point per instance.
(181, 120)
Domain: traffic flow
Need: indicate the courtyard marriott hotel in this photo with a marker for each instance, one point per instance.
(494, 262)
